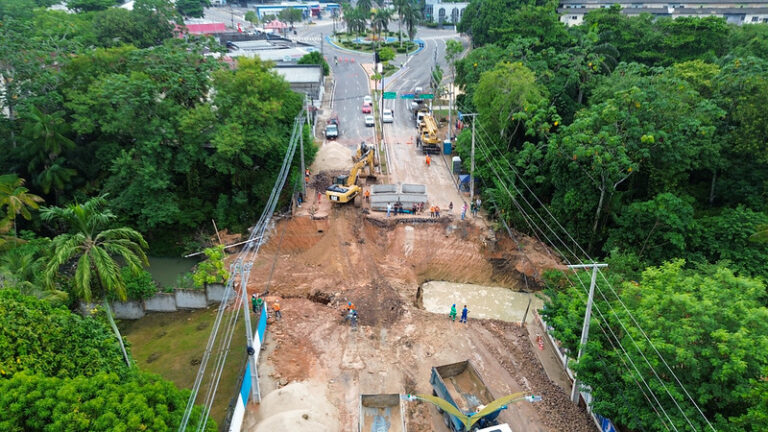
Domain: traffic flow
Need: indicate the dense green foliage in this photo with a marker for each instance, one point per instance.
(174, 137)
(710, 326)
(645, 138)
(53, 341)
(103, 402)
(642, 136)
(60, 371)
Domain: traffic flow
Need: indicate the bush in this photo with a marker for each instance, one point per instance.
(402, 50)
(139, 286)
(211, 270)
(53, 341)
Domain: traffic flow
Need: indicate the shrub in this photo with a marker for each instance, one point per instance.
(139, 286)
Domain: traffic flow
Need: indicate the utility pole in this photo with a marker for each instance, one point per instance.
(587, 315)
(244, 275)
(301, 148)
(472, 164)
(322, 44)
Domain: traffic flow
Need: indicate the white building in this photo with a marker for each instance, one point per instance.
(572, 11)
(438, 11)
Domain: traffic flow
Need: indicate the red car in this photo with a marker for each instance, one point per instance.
(366, 108)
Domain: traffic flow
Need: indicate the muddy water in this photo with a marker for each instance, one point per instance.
(482, 301)
(165, 271)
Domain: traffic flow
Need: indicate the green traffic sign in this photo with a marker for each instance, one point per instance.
(407, 96)
(427, 96)
(389, 95)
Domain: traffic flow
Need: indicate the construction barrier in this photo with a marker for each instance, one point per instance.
(245, 389)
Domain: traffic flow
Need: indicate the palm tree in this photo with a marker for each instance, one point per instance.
(55, 177)
(88, 253)
(411, 16)
(380, 20)
(16, 200)
(365, 6)
(399, 8)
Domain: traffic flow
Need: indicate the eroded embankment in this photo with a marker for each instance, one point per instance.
(305, 257)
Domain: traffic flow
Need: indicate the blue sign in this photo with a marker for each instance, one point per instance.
(407, 96)
(461, 116)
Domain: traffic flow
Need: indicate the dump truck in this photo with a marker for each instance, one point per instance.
(344, 188)
(381, 413)
(461, 386)
(427, 138)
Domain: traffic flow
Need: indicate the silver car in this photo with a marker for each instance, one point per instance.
(369, 121)
(387, 116)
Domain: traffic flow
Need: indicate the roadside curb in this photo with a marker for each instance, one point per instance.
(419, 42)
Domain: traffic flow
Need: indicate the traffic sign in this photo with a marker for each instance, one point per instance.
(407, 96)
(389, 95)
(427, 96)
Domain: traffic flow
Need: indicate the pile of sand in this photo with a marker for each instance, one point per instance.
(333, 156)
(297, 407)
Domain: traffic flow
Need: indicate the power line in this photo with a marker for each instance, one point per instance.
(609, 304)
(529, 220)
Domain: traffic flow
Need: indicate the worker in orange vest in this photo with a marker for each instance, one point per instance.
(367, 195)
(276, 308)
(429, 160)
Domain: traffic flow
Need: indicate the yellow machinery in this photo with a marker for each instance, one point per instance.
(428, 139)
(345, 188)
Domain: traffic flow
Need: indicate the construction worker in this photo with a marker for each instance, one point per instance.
(452, 315)
(429, 160)
(276, 308)
(367, 195)
(437, 211)
(350, 306)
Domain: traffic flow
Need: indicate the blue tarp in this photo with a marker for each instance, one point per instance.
(464, 178)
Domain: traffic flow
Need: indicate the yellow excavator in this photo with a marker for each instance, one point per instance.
(345, 188)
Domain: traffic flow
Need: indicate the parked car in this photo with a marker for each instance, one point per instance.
(368, 100)
(366, 108)
(387, 117)
(369, 121)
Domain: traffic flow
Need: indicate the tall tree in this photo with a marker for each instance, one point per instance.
(709, 325)
(90, 251)
(411, 17)
(90, 5)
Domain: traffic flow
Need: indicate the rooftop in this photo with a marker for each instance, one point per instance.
(300, 73)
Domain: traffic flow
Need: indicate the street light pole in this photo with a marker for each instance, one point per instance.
(587, 316)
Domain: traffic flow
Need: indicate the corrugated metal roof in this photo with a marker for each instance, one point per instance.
(208, 28)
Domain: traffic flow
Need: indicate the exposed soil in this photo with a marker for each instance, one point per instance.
(320, 265)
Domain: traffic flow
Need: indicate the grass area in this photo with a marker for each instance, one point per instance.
(172, 345)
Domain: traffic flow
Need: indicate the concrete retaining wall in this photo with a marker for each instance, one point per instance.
(164, 302)
(128, 310)
(161, 303)
(215, 293)
(188, 299)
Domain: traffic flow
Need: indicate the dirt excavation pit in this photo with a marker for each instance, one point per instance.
(319, 266)
(297, 407)
(482, 301)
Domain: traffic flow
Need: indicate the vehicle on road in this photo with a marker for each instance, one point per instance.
(366, 108)
(461, 386)
(332, 127)
(344, 188)
(331, 131)
(382, 412)
(367, 100)
(369, 121)
(387, 116)
(427, 138)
